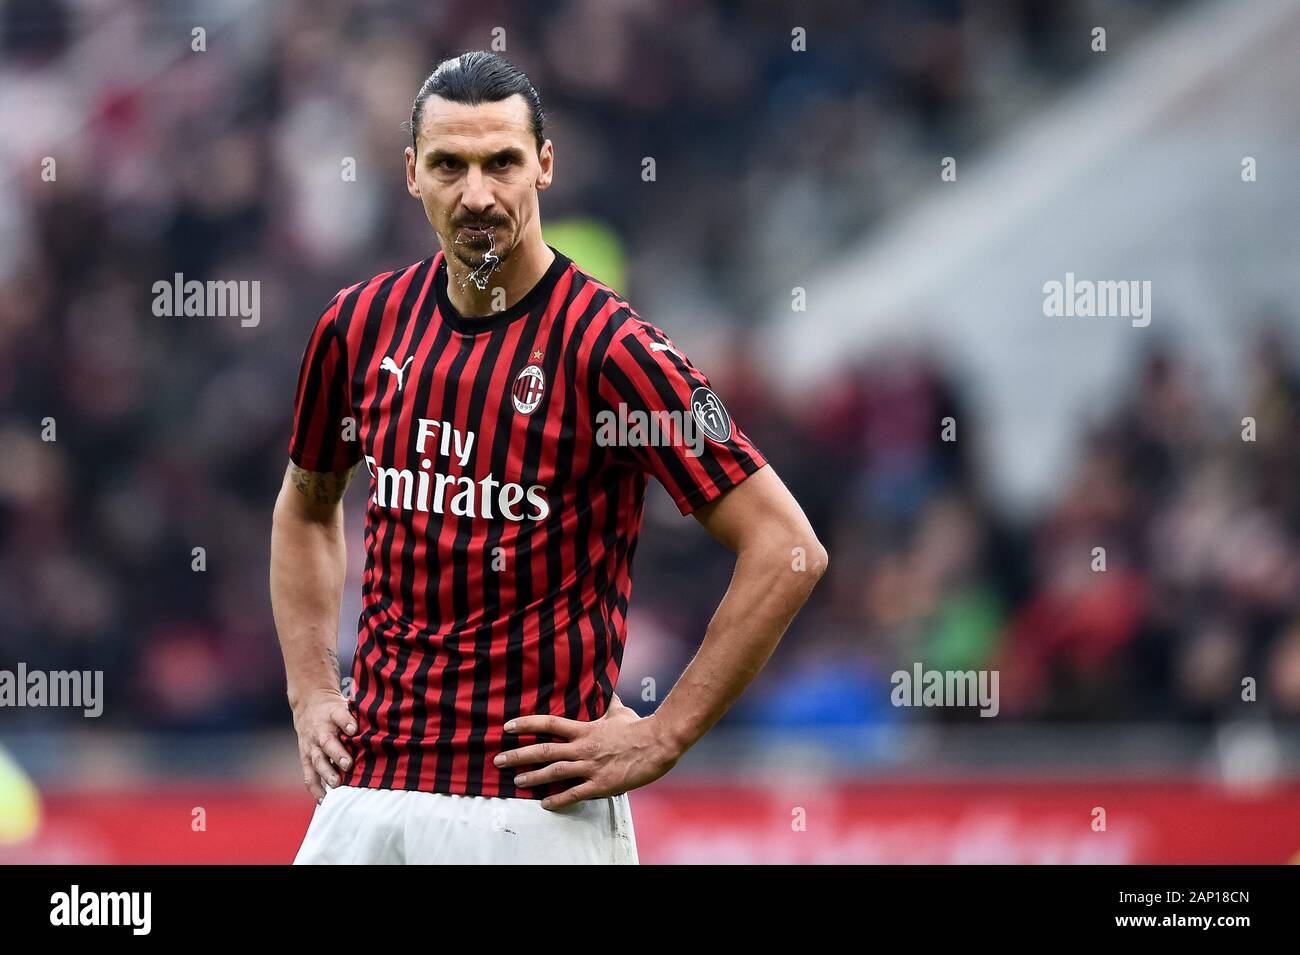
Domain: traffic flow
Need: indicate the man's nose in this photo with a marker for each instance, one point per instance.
(478, 196)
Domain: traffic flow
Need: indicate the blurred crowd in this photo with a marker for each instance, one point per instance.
(1162, 581)
(140, 455)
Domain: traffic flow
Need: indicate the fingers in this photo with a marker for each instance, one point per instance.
(320, 749)
(553, 773)
(311, 779)
(587, 790)
(343, 719)
(334, 750)
(324, 770)
(537, 753)
(553, 725)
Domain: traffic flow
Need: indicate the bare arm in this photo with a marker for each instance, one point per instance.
(778, 562)
(308, 563)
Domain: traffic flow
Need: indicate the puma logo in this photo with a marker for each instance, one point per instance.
(389, 365)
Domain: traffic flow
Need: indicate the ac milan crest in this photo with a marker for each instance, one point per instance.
(527, 389)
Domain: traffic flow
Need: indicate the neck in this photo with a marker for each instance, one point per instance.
(524, 268)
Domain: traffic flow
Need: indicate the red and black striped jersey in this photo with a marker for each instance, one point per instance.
(508, 458)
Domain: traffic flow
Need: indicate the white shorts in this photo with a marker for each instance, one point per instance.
(362, 826)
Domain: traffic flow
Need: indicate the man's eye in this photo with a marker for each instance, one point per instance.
(503, 161)
(445, 163)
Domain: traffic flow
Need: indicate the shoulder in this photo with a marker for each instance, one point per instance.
(598, 313)
(611, 313)
(348, 309)
(634, 339)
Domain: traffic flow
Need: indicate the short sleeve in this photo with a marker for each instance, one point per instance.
(660, 412)
(321, 402)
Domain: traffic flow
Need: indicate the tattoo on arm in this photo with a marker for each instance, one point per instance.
(321, 487)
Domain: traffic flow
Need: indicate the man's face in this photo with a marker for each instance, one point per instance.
(477, 172)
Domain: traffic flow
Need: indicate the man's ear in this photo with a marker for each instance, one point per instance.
(411, 186)
(546, 159)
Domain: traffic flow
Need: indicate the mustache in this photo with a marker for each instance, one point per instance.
(479, 223)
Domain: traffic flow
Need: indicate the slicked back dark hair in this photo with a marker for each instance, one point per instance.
(479, 77)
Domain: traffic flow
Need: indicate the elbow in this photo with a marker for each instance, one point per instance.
(284, 518)
(818, 560)
(815, 562)
(798, 558)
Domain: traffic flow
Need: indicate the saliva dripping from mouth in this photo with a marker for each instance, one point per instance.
(491, 261)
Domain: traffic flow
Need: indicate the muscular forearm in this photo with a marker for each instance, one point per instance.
(308, 564)
(768, 587)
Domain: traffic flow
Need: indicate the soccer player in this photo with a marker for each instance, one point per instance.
(508, 410)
